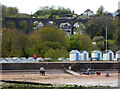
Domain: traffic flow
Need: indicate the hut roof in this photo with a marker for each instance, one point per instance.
(118, 52)
(95, 51)
(3, 61)
(106, 51)
(10, 60)
(82, 51)
(73, 51)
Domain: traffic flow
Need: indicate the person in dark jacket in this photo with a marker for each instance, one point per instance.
(42, 70)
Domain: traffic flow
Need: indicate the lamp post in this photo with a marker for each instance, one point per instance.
(106, 39)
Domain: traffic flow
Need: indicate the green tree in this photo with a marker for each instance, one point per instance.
(45, 39)
(97, 27)
(13, 43)
(55, 54)
(75, 42)
(80, 42)
(52, 34)
(100, 10)
(6, 42)
(12, 11)
(23, 26)
(10, 24)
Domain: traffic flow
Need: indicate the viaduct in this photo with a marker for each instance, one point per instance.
(46, 20)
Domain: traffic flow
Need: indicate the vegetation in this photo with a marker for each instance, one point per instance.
(50, 41)
(53, 12)
(45, 42)
(58, 86)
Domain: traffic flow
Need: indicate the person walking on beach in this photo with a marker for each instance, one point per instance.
(69, 67)
(62, 66)
(107, 74)
(42, 70)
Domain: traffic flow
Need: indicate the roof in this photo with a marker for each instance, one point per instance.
(95, 51)
(30, 58)
(3, 61)
(74, 51)
(10, 60)
(106, 51)
(82, 51)
(88, 10)
(118, 52)
(18, 60)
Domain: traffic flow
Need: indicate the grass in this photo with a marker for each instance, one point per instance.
(56, 86)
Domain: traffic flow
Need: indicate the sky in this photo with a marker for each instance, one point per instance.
(79, 6)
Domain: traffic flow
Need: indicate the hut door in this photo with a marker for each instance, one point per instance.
(85, 57)
(110, 56)
(98, 56)
(77, 56)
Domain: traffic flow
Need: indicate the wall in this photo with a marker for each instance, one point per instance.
(76, 66)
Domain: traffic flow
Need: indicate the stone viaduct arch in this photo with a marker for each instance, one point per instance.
(45, 21)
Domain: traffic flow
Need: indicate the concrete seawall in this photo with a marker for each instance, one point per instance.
(76, 66)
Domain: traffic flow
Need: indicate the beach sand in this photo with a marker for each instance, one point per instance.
(59, 77)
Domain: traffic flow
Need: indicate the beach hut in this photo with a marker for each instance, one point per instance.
(84, 55)
(61, 59)
(108, 55)
(118, 55)
(48, 59)
(24, 59)
(14, 58)
(31, 59)
(96, 55)
(40, 59)
(3, 61)
(18, 60)
(74, 55)
(10, 60)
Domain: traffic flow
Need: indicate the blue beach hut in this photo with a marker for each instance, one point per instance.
(74, 55)
(108, 55)
(96, 55)
(84, 55)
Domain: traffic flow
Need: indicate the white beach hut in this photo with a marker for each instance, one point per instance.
(18, 60)
(74, 55)
(84, 55)
(96, 55)
(118, 55)
(3, 61)
(31, 59)
(24, 59)
(108, 55)
(14, 58)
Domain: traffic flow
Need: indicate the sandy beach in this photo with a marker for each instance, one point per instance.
(60, 77)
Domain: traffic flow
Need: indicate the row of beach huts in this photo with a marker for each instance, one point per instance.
(22, 60)
(96, 55)
(75, 55)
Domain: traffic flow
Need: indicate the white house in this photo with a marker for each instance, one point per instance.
(118, 55)
(74, 55)
(108, 55)
(88, 13)
(96, 55)
(84, 55)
